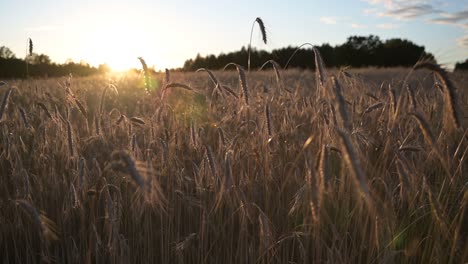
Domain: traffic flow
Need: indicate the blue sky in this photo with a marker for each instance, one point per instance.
(166, 33)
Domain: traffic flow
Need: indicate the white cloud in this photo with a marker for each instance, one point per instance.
(402, 10)
(329, 20)
(355, 25)
(463, 41)
(459, 19)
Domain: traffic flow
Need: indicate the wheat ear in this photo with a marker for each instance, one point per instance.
(450, 94)
(261, 25)
(242, 81)
(5, 102)
(353, 163)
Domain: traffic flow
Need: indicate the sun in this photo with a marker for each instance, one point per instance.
(117, 45)
(121, 64)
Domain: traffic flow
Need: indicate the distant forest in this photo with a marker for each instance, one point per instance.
(356, 52)
(40, 65)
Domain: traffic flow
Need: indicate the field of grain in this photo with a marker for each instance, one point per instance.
(350, 166)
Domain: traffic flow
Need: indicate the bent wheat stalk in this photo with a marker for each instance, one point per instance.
(320, 73)
(242, 81)
(352, 161)
(450, 94)
(261, 25)
(276, 68)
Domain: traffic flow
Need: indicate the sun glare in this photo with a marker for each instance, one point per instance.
(118, 45)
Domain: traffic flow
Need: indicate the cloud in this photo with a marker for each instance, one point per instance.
(41, 28)
(387, 26)
(329, 20)
(452, 19)
(405, 12)
(354, 25)
(463, 41)
(402, 10)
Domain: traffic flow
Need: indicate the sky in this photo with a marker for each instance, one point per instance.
(166, 33)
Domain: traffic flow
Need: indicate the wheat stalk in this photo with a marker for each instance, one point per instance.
(81, 108)
(320, 73)
(341, 102)
(24, 116)
(392, 96)
(146, 74)
(129, 167)
(211, 162)
(137, 120)
(4, 104)
(354, 164)
(242, 80)
(43, 107)
(261, 25)
(373, 108)
(276, 68)
(412, 98)
(30, 47)
(71, 145)
(167, 76)
(450, 94)
(425, 129)
(46, 226)
(269, 120)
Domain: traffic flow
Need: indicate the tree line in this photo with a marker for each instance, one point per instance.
(356, 52)
(40, 65)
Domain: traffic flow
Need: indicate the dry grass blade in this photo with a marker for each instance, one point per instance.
(450, 94)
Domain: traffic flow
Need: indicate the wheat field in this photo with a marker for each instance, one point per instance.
(273, 166)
